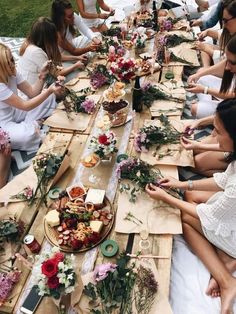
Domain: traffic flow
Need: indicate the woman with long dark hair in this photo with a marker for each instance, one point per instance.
(208, 212)
(39, 47)
(209, 80)
(67, 25)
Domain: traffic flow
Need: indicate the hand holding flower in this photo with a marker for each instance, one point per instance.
(169, 182)
(196, 88)
(156, 193)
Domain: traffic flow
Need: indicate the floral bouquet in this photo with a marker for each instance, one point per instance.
(25, 195)
(4, 139)
(124, 69)
(150, 93)
(154, 135)
(104, 144)
(100, 76)
(118, 288)
(78, 103)
(139, 37)
(7, 283)
(139, 173)
(10, 231)
(45, 166)
(54, 274)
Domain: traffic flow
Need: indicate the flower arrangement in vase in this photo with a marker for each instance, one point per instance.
(54, 273)
(7, 282)
(104, 144)
(124, 69)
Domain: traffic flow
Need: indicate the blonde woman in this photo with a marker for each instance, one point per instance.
(19, 117)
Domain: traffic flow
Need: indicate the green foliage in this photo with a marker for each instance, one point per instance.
(18, 16)
(175, 40)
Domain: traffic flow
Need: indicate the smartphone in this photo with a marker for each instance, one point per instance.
(31, 302)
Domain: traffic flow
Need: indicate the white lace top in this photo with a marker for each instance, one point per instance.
(218, 215)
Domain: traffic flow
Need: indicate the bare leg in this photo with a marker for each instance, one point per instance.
(230, 263)
(101, 28)
(5, 161)
(207, 253)
(206, 59)
(210, 162)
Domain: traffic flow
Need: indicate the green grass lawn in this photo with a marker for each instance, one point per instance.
(16, 17)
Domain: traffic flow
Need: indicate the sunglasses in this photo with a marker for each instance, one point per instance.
(225, 21)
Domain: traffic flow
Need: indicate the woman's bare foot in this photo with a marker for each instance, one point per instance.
(213, 288)
(228, 295)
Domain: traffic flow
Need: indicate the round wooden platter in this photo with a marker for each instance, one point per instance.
(52, 234)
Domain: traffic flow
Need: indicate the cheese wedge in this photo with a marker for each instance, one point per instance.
(96, 225)
(52, 218)
(95, 196)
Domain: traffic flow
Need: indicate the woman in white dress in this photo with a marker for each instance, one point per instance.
(19, 117)
(67, 24)
(39, 47)
(209, 80)
(91, 17)
(208, 211)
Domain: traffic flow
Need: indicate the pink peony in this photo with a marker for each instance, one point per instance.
(102, 271)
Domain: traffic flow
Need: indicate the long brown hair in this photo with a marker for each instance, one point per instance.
(230, 7)
(228, 75)
(43, 34)
(58, 15)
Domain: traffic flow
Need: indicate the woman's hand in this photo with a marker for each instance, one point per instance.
(203, 34)
(200, 45)
(83, 58)
(196, 89)
(193, 78)
(97, 41)
(104, 16)
(58, 87)
(169, 182)
(92, 46)
(156, 193)
(80, 65)
(191, 126)
(45, 70)
(6, 149)
(189, 144)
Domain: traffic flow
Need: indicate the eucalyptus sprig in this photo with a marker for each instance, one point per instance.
(175, 40)
(150, 93)
(45, 166)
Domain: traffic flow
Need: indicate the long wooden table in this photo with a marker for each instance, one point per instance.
(75, 144)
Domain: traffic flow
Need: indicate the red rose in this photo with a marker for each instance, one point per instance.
(50, 267)
(53, 282)
(59, 257)
(102, 139)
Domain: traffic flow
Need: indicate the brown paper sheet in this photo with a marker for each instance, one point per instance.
(189, 55)
(160, 304)
(166, 107)
(28, 177)
(179, 157)
(77, 121)
(157, 217)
